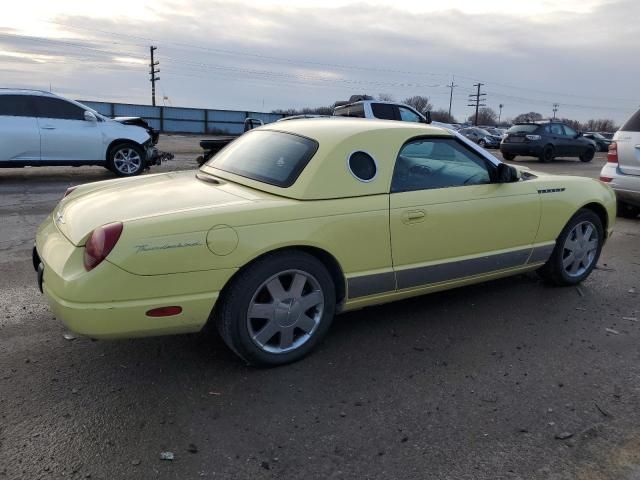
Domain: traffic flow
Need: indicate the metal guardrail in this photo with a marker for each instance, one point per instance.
(184, 120)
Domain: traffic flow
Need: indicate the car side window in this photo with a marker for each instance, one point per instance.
(569, 132)
(556, 129)
(16, 106)
(49, 107)
(429, 163)
(407, 115)
(384, 111)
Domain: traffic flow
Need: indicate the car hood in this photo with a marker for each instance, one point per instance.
(96, 204)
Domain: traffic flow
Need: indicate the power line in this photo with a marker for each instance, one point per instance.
(326, 64)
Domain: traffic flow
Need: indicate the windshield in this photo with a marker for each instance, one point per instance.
(524, 128)
(276, 158)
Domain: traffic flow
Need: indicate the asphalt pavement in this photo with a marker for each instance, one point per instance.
(508, 379)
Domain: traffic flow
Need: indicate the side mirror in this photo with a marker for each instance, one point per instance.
(89, 116)
(507, 173)
(251, 123)
(578, 134)
(427, 116)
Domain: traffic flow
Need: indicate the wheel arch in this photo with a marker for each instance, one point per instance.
(601, 211)
(327, 259)
(119, 141)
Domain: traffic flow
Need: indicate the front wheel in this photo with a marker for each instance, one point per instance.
(126, 160)
(577, 250)
(278, 309)
(588, 155)
(508, 156)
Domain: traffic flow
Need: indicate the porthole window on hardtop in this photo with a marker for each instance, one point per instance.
(362, 166)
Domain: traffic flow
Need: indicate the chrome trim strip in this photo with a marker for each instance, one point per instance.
(371, 284)
(443, 272)
(541, 253)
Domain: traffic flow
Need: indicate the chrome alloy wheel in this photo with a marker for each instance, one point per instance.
(580, 249)
(127, 161)
(285, 311)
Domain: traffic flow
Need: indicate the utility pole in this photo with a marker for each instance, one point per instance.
(152, 72)
(475, 99)
(555, 109)
(451, 87)
(500, 113)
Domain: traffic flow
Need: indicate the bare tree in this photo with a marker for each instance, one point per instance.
(527, 117)
(442, 115)
(419, 102)
(486, 116)
(386, 97)
(600, 125)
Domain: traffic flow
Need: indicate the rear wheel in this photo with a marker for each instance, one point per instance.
(588, 155)
(547, 154)
(126, 159)
(577, 250)
(508, 156)
(628, 211)
(278, 309)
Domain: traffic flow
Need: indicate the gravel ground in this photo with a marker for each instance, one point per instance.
(508, 379)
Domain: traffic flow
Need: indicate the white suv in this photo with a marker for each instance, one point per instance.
(622, 170)
(42, 129)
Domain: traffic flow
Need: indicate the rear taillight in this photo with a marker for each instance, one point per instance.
(605, 179)
(100, 243)
(69, 190)
(612, 155)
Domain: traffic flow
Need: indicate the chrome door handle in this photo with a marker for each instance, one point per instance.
(48, 127)
(413, 216)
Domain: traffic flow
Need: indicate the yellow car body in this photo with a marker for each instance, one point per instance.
(187, 234)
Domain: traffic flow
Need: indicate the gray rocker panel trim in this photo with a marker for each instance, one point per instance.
(365, 285)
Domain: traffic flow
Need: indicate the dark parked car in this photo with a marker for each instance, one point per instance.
(546, 140)
(481, 137)
(601, 141)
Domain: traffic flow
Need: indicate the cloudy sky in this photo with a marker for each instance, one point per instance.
(272, 54)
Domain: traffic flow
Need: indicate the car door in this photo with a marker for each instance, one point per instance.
(557, 137)
(19, 135)
(574, 145)
(449, 221)
(65, 135)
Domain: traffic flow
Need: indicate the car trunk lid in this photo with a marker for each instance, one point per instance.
(628, 152)
(120, 201)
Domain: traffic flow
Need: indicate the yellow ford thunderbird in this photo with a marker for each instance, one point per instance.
(299, 220)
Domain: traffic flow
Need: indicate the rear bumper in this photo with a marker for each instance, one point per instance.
(108, 302)
(527, 149)
(626, 187)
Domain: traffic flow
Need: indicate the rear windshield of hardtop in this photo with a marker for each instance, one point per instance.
(272, 157)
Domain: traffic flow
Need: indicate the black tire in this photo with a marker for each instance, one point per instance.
(508, 156)
(588, 155)
(603, 147)
(547, 154)
(117, 159)
(627, 211)
(231, 314)
(554, 270)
